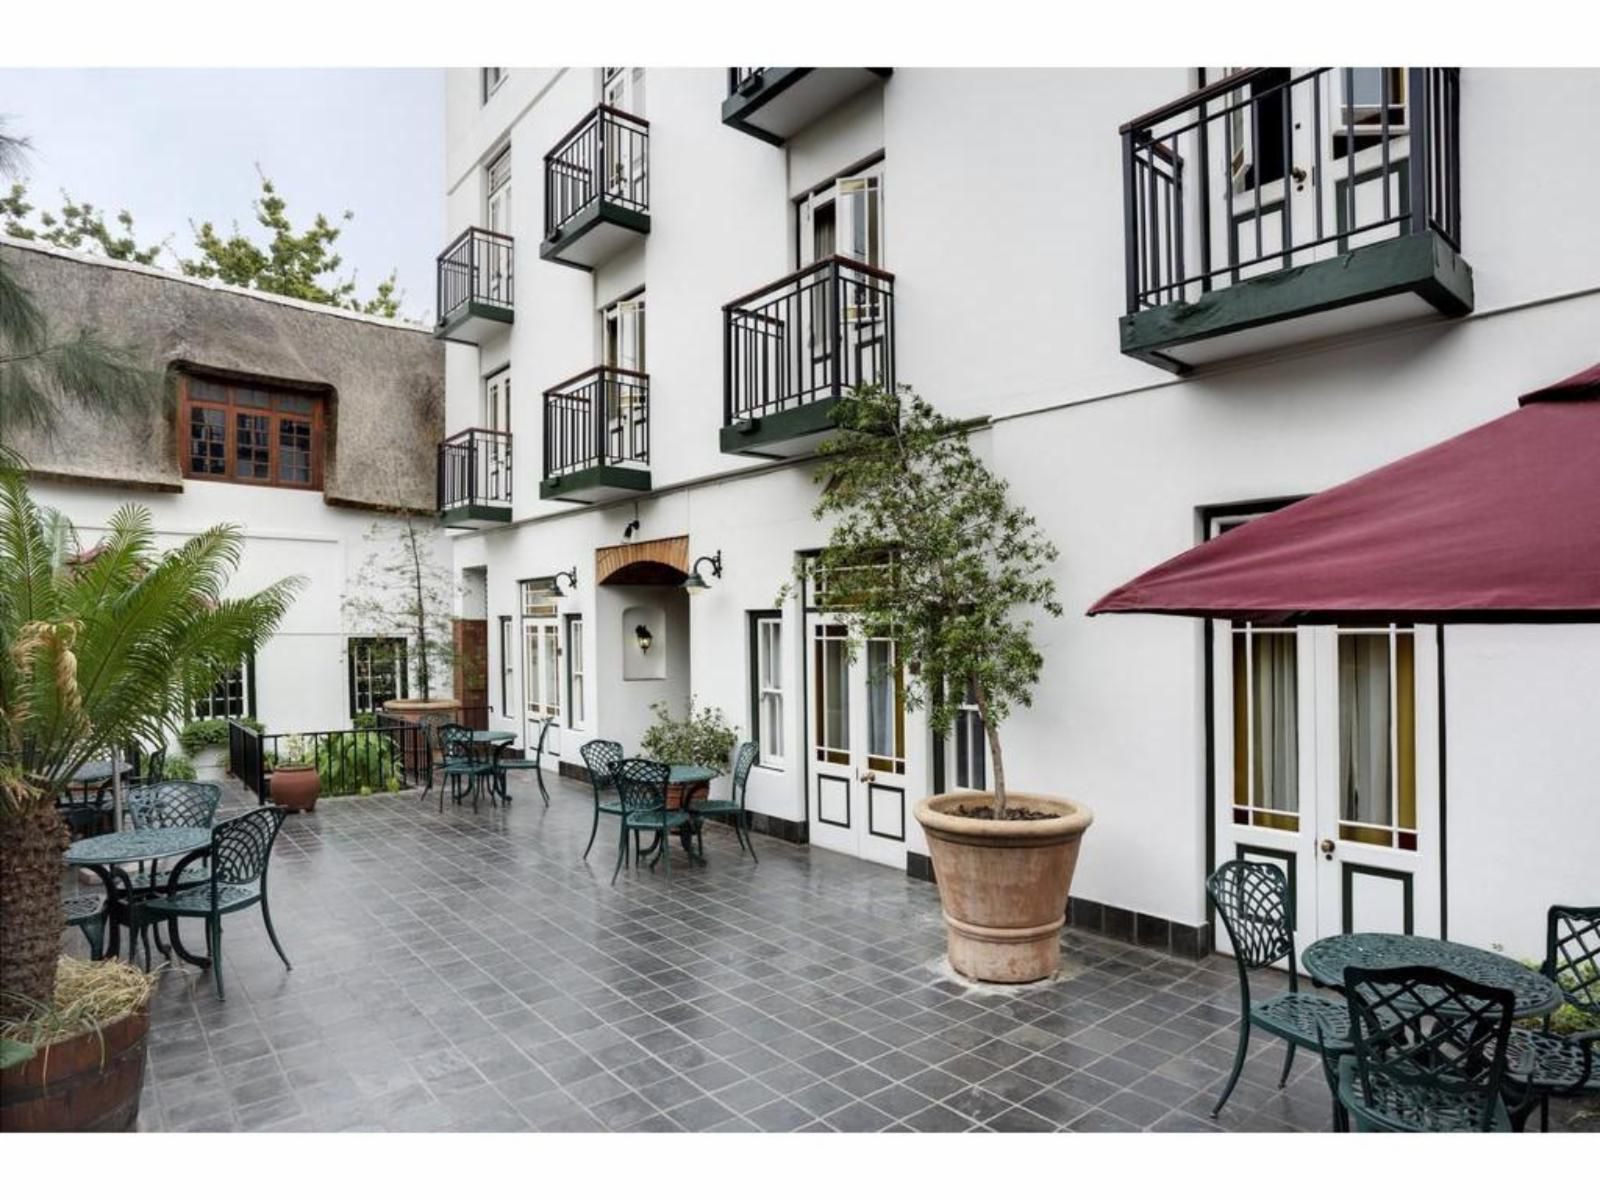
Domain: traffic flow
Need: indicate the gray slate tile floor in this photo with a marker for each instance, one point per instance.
(471, 972)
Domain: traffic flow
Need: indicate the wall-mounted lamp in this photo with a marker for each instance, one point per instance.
(642, 635)
(696, 582)
(572, 581)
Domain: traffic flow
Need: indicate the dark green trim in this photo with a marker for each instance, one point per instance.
(575, 485)
(593, 215)
(919, 866)
(740, 106)
(1347, 895)
(1423, 264)
(1291, 871)
(803, 420)
(474, 516)
(1192, 942)
(472, 309)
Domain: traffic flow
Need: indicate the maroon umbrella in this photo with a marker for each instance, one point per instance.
(1499, 523)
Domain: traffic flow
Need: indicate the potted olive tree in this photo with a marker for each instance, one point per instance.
(927, 548)
(100, 650)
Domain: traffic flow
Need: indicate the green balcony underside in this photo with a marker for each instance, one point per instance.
(471, 322)
(594, 234)
(593, 484)
(1180, 336)
(784, 100)
(474, 516)
(783, 434)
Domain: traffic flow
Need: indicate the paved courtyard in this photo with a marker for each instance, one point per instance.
(471, 972)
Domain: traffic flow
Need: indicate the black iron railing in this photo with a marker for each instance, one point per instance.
(809, 336)
(1270, 168)
(744, 78)
(596, 419)
(390, 754)
(605, 157)
(478, 266)
(475, 468)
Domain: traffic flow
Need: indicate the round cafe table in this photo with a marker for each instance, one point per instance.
(497, 740)
(1533, 994)
(107, 854)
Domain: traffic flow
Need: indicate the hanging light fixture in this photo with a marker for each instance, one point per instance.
(642, 635)
(696, 582)
(572, 581)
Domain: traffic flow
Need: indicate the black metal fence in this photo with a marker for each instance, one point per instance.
(474, 468)
(391, 754)
(478, 266)
(606, 156)
(809, 336)
(598, 418)
(1269, 168)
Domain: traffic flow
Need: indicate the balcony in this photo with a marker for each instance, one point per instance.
(597, 189)
(597, 436)
(475, 278)
(775, 103)
(1276, 207)
(475, 479)
(793, 348)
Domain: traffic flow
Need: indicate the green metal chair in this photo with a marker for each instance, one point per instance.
(87, 914)
(1562, 1064)
(642, 789)
(601, 758)
(170, 804)
(744, 759)
(240, 852)
(1428, 1052)
(463, 766)
(502, 764)
(1253, 900)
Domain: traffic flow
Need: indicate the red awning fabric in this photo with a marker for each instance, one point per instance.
(1501, 523)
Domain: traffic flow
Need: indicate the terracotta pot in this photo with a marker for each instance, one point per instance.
(1003, 884)
(296, 788)
(431, 713)
(89, 1083)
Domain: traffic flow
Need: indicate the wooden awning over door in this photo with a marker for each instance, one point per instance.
(662, 562)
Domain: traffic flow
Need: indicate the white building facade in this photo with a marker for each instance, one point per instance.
(1173, 299)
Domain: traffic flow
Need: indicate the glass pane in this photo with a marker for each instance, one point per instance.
(208, 441)
(289, 402)
(206, 389)
(1275, 724)
(833, 695)
(548, 650)
(252, 455)
(1365, 792)
(247, 397)
(294, 451)
(772, 725)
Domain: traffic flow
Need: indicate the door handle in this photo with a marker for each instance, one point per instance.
(866, 776)
(1326, 846)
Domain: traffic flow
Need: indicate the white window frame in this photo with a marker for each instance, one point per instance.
(577, 674)
(497, 179)
(768, 651)
(491, 80)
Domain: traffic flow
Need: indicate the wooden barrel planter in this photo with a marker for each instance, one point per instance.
(89, 1083)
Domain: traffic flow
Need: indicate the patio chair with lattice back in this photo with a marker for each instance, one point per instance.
(170, 804)
(642, 790)
(1253, 900)
(1428, 1051)
(503, 765)
(744, 758)
(239, 855)
(601, 759)
(1563, 1064)
(463, 766)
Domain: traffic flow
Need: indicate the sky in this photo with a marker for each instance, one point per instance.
(175, 144)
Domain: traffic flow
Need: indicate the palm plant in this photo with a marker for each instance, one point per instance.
(96, 650)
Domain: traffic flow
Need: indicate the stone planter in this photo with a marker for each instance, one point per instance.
(429, 713)
(89, 1083)
(1003, 884)
(211, 764)
(296, 788)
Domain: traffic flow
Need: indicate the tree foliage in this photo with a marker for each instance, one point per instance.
(402, 588)
(927, 547)
(78, 225)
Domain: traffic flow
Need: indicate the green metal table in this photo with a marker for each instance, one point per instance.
(107, 855)
(497, 740)
(1325, 960)
(691, 779)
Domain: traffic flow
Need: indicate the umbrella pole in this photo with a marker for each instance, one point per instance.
(116, 788)
(1444, 808)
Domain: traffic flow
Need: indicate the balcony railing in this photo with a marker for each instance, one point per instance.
(1271, 168)
(475, 471)
(478, 267)
(810, 336)
(605, 158)
(598, 419)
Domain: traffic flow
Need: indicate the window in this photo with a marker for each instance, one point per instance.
(622, 88)
(971, 745)
(832, 672)
(497, 192)
(493, 77)
(1257, 127)
(234, 695)
(766, 689)
(1266, 727)
(886, 706)
(377, 672)
(505, 666)
(1378, 738)
(243, 433)
(576, 706)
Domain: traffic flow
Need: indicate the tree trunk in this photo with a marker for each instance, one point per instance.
(424, 681)
(32, 838)
(995, 758)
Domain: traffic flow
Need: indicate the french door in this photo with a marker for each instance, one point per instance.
(1326, 750)
(864, 750)
(496, 418)
(623, 329)
(845, 219)
(541, 681)
(496, 264)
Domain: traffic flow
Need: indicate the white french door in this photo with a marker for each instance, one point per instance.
(541, 681)
(623, 327)
(496, 418)
(864, 749)
(1326, 751)
(495, 264)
